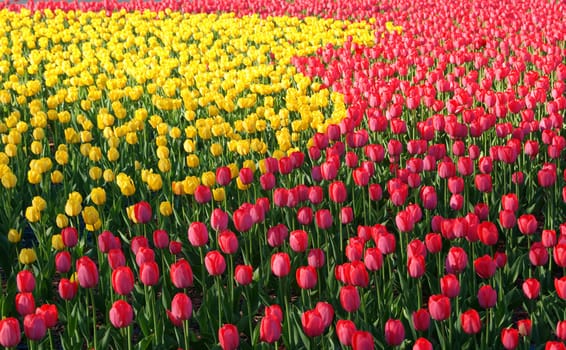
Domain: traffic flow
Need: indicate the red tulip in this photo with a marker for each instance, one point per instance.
(422, 344)
(326, 312)
(531, 288)
(142, 212)
(67, 289)
(509, 338)
(25, 281)
(275, 311)
(307, 277)
(456, 260)
(548, 238)
(362, 340)
(346, 215)
(198, 234)
(87, 272)
(323, 219)
(538, 254)
(246, 176)
(386, 243)
(357, 274)
(439, 307)
(428, 197)
(416, 266)
(450, 286)
(554, 345)
(470, 321)
(421, 320)
(280, 264)
(219, 220)
(298, 241)
(137, 243)
(10, 333)
(375, 192)
(373, 259)
(349, 298)
(487, 233)
(149, 273)
(107, 241)
(305, 216)
(483, 182)
(144, 255)
(70, 236)
(524, 327)
(116, 258)
(312, 323)
(316, 258)
(270, 329)
(202, 194)
(404, 222)
(121, 314)
(215, 263)
(561, 330)
(228, 242)
(559, 254)
(487, 297)
(181, 308)
(181, 274)
(223, 175)
(527, 224)
(160, 239)
(123, 280)
(433, 243)
(34, 326)
(485, 266)
(229, 337)
(394, 332)
(345, 330)
(49, 313)
(243, 274)
(277, 235)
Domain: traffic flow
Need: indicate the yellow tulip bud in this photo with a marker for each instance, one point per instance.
(36, 147)
(219, 194)
(193, 161)
(14, 236)
(33, 214)
(164, 165)
(61, 220)
(98, 195)
(165, 208)
(39, 203)
(190, 184)
(56, 177)
(95, 173)
(27, 256)
(9, 180)
(90, 215)
(34, 177)
(154, 182)
(57, 242)
(108, 175)
(216, 149)
(208, 178)
(113, 154)
(97, 225)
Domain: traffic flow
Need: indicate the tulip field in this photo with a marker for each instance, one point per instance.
(297, 174)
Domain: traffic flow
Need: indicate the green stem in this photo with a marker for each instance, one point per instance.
(93, 319)
(129, 334)
(249, 306)
(186, 333)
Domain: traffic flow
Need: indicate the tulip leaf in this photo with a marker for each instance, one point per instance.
(144, 343)
(105, 339)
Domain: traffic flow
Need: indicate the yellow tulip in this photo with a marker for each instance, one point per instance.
(14, 236)
(219, 194)
(61, 220)
(108, 175)
(57, 242)
(193, 161)
(27, 256)
(190, 184)
(56, 177)
(98, 195)
(164, 165)
(39, 203)
(154, 182)
(9, 180)
(90, 215)
(95, 173)
(165, 208)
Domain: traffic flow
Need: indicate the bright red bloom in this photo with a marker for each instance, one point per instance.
(487, 296)
(25, 281)
(487, 233)
(307, 277)
(87, 272)
(323, 219)
(485, 266)
(298, 240)
(34, 327)
(349, 298)
(280, 264)
(509, 338)
(123, 280)
(229, 337)
(219, 220)
(228, 242)
(49, 313)
(70, 236)
(270, 329)
(142, 212)
(456, 260)
(121, 314)
(439, 307)
(160, 239)
(394, 332)
(10, 333)
(421, 320)
(198, 234)
(67, 289)
(202, 194)
(422, 344)
(181, 274)
(362, 340)
(450, 285)
(215, 263)
(470, 321)
(149, 273)
(527, 224)
(373, 259)
(326, 312)
(181, 308)
(345, 330)
(524, 327)
(312, 323)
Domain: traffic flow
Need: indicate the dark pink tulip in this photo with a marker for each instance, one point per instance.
(421, 320)
(160, 239)
(298, 240)
(527, 224)
(394, 332)
(10, 333)
(485, 266)
(87, 272)
(121, 314)
(450, 285)
(456, 260)
(25, 281)
(323, 219)
(123, 280)
(142, 212)
(487, 233)
(228, 242)
(70, 236)
(470, 321)
(67, 289)
(312, 323)
(439, 307)
(531, 288)
(270, 329)
(228, 337)
(149, 273)
(34, 327)
(223, 175)
(181, 274)
(509, 338)
(25, 303)
(243, 274)
(326, 312)
(198, 234)
(215, 263)
(349, 298)
(538, 254)
(280, 264)
(316, 258)
(345, 330)
(49, 313)
(487, 296)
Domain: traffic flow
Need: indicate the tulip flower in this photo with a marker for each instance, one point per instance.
(198, 234)
(394, 332)
(123, 280)
(121, 314)
(215, 263)
(181, 274)
(228, 337)
(34, 327)
(270, 329)
(10, 333)
(280, 264)
(439, 307)
(25, 281)
(470, 321)
(509, 338)
(349, 298)
(421, 320)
